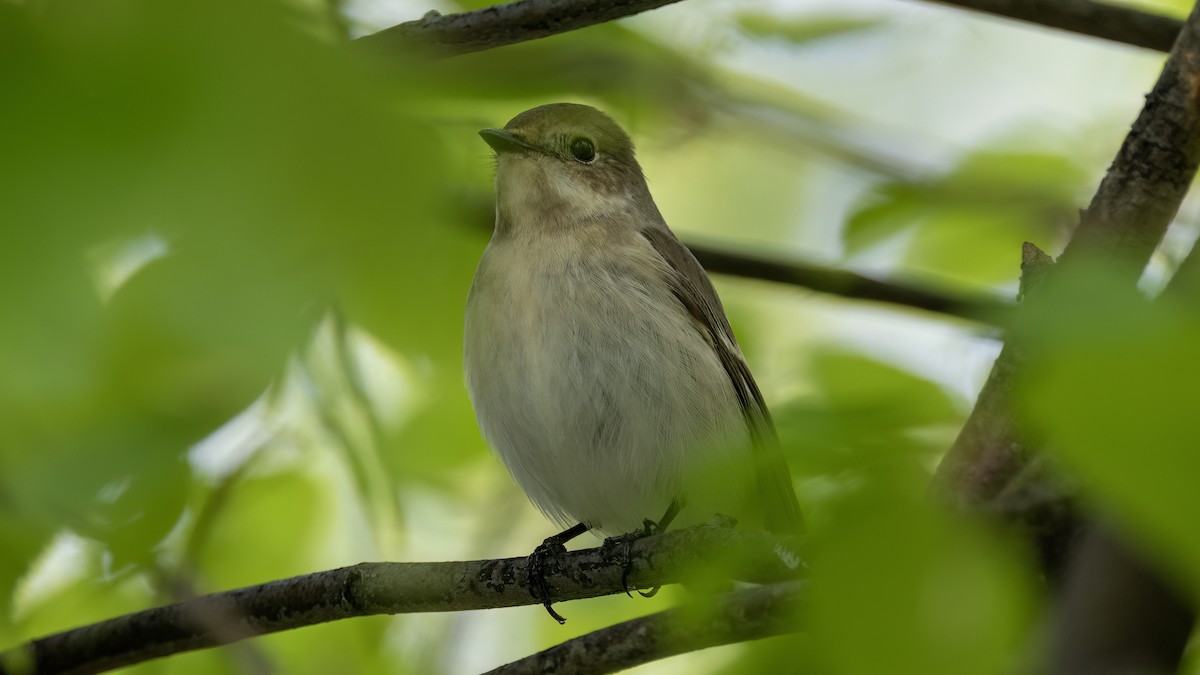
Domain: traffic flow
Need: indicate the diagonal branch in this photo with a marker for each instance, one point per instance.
(524, 20)
(1127, 218)
(849, 284)
(749, 614)
(1144, 187)
(1086, 17)
(395, 588)
(502, 25)
(985, 309)
(1110, 592)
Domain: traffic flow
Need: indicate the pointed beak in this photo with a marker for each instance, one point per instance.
(502, 141)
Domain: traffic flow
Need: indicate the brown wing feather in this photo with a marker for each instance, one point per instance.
(692, 287)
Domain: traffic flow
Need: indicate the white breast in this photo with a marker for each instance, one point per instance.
(592, 384)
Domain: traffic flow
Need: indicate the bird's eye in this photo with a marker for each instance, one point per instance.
(583, 150)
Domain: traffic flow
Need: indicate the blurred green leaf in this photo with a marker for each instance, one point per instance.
(279, 177)
(866, 416)
(1176, 8)
(359, 646)
(1112, 384)
(82, 589)
(637, 79)
(969, 223)
(249, 543)
(899, 588)
(21, 537)
(806, 29)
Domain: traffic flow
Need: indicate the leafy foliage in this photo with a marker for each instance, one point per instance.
(804, 30)
(990, 201)
(1113, 388)
(235, 259)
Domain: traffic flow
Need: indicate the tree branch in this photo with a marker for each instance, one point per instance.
(717, 259)
(524, 20)
(502, 25)
(1144, 187)
(849, 284)
(396, 588)
(1118, 614)
(1107, 22)
(1132, 208)
(1109, 590)
(749, 614)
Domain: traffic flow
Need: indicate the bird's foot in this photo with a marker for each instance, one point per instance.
(547, 557)
(624, 543)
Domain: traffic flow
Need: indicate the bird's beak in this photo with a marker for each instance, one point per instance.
(502, 141)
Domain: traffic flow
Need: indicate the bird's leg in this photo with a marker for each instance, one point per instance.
(535, 567)
(665, 521)
(649, 527)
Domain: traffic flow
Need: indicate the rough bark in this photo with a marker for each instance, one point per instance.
(394, 588)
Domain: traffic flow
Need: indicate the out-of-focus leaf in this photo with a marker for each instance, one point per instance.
(896, 586)
(1112, 385)
(358, 646)
(806, 29)
(636, 78)
(81, 596)
(892, 208)
(1176, 8)
(279, 177)
(785, 653)
(865, 416)
(21, 537)
(250, 542)
(968, 223)
(895, 398)
(899, 588)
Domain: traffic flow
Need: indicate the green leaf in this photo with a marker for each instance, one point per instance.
(279, 178)
(899, 588)
(1112, 386)
(269, 521)
(804, 30)
(970, 222)
(865, 417)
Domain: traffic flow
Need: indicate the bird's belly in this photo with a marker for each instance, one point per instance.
(603, 400)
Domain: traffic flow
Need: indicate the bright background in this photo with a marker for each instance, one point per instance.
(235, 259)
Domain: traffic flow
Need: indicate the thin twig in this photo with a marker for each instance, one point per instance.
(394, 588)
(719, 259)
(509, 23)
(849, 284)
(748, 614)
(1108, 22)
(501, 25)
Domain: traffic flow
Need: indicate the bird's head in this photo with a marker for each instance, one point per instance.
(563, 163)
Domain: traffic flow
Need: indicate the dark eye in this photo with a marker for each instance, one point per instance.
(583, 150)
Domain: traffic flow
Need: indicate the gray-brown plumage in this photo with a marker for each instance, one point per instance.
(598, 357)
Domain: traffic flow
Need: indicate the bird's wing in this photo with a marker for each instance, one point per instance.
(692, 287)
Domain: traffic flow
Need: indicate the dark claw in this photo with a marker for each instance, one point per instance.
(625, 541)
(627, 562)
(536, 570)
(649, 528)
(553, 614)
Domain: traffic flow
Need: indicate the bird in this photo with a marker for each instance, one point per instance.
(598, 358)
